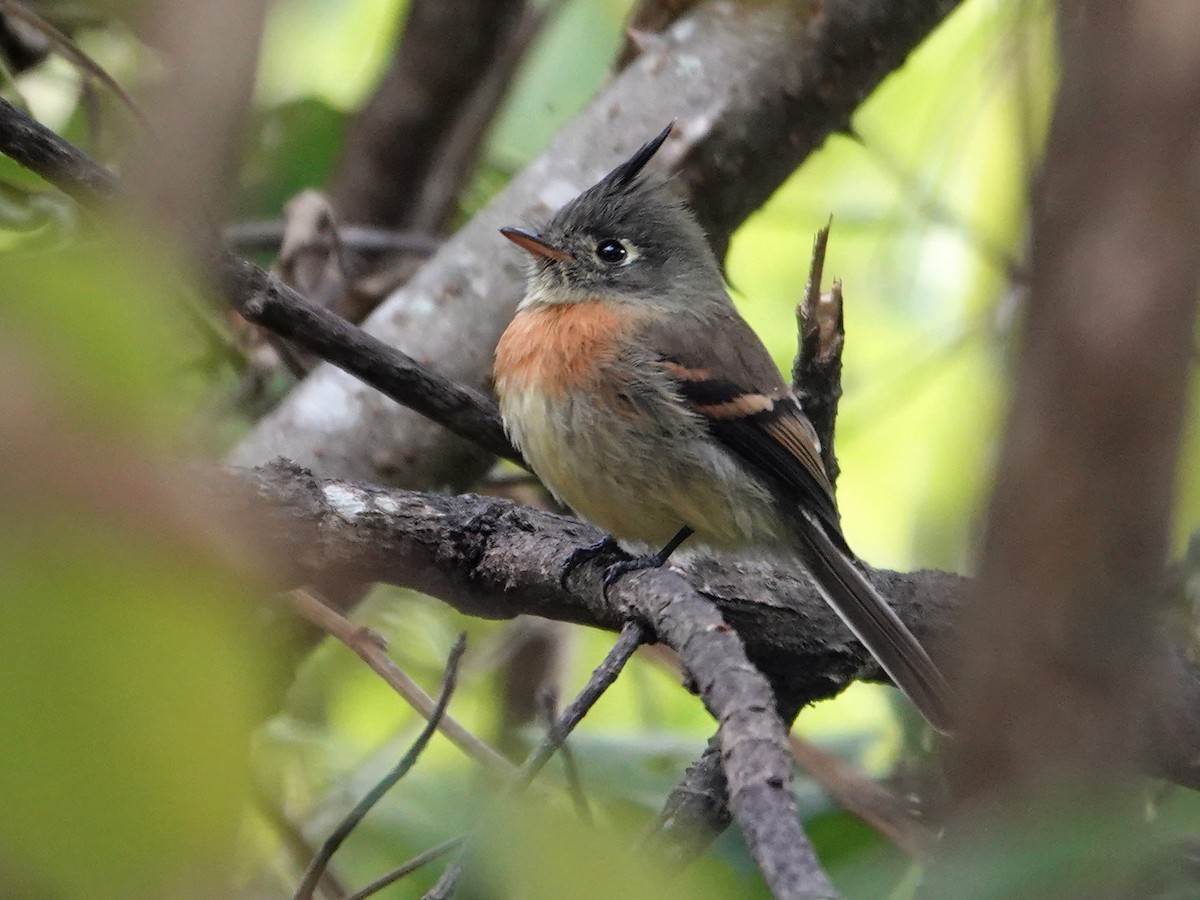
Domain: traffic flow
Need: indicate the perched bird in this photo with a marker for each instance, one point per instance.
(644, 402)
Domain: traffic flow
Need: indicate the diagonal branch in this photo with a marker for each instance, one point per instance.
(37, 148)
(371, 649)
(751, 736)
(265, 300)
(421, 859)
(407, 149)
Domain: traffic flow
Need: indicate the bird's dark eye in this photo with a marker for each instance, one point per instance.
(611, 252)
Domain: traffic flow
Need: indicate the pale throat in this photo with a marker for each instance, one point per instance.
(541, 292)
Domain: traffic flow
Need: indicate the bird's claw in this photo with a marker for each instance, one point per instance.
(606, 546)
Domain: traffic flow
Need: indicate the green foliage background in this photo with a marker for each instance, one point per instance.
(131, 683)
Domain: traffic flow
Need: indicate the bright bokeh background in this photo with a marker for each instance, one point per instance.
(929, 217)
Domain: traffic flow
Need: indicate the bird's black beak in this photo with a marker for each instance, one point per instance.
(535, 244)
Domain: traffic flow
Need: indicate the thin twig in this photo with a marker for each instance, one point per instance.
(312, 875)
(72, 52)
(633, 634)
(370, 648)
(817, 369)
(295, 842)
(812, 288)
(446, 885)
(418, 861)
(863, 798)
(549, 699)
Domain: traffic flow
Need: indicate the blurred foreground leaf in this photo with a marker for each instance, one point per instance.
(129, 675)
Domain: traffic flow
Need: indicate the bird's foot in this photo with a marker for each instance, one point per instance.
(606, 546)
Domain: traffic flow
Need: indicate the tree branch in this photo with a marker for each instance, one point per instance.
(817, 369)
(751, 736)
(421, 859)
(263, 299)
(602, 678)
(492, 559)
(37, 148)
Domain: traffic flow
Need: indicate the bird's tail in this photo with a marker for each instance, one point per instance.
(874, 623)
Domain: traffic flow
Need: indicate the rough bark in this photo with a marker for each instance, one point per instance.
(492, 559)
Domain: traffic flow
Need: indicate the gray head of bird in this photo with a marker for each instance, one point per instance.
(628, 238)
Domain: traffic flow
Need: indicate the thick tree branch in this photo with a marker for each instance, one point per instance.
(894, 817)
(37, 148)
(492, 559)
(476, 567)
(751, 735)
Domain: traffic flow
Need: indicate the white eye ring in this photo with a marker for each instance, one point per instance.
(614, 252)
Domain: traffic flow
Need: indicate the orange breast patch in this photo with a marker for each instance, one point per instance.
(558, 348)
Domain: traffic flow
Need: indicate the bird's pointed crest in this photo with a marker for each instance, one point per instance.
(624, 174)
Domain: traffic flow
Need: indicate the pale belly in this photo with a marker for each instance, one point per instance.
(643, 484)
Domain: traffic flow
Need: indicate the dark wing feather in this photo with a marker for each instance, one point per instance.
(751, 411)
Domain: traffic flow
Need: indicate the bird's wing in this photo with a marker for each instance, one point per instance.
(734, 386)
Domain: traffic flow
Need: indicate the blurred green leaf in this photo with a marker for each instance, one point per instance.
(130, 673)
(860, 862)
(295, 147)
(328, 49)
(531, 851)
(105, 321)
(128, 688)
